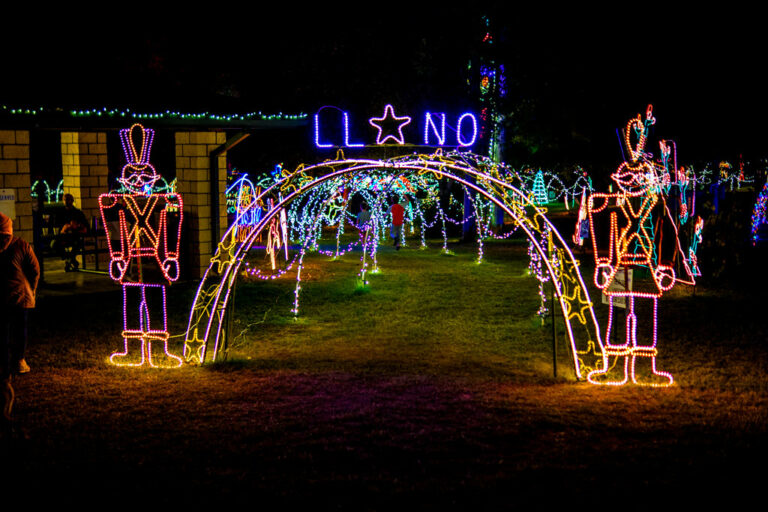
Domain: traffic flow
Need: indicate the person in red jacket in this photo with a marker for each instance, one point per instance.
(397, 210)
(19, 275)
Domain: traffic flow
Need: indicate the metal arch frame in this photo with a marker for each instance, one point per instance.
(215, 287)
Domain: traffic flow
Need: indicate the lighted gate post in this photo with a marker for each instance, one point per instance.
(554, 334)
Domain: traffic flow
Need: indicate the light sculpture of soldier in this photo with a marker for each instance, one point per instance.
(144, 253)
(643, 238)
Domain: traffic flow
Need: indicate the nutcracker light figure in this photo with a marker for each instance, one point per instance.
(642, 238)
(144, 244)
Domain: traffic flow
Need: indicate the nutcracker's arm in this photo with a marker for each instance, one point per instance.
(671, 253)
(115, 227)
(605, 265)
(169, 234)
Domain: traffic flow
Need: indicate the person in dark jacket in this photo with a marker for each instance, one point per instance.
(19, 275)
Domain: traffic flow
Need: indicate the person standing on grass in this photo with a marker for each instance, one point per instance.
(397, 210)
(364, 217)
(19, 275)
(363, 221)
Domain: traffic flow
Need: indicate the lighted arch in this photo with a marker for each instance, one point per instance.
(206, 318)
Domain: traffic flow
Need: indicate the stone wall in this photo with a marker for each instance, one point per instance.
(193, 150)
(15, 175)
(85, 170)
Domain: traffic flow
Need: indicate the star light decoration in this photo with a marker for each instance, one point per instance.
(389, 119)
(225, 251)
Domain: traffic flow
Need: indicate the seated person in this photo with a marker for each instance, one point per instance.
(73, 226)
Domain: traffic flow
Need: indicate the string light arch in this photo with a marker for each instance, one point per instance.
(204, 339)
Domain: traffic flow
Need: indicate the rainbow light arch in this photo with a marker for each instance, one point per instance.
(207, 314)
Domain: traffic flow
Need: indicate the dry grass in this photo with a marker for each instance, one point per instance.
(432, 390)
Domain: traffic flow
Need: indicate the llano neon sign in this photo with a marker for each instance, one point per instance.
(332, 131)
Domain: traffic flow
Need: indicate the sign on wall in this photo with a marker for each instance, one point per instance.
(8, 202)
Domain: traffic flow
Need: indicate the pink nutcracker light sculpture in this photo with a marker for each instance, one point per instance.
(144, 253)
(642, 238)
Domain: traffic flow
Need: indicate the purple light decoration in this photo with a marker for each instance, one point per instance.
(389, 116)
(126, 139)
(345, 126)
(346, 134)
(141, 173)
(317, 134)
(474, 128)
(502, 82)
(429, 123)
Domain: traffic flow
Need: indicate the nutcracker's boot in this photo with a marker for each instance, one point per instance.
(134, 350)
(157, 350)
(616, 370)
(643, 369)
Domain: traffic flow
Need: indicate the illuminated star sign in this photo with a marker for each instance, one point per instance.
(390, 119)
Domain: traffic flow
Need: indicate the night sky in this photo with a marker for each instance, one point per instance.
(573, 77)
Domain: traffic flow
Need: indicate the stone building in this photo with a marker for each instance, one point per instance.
(89, 164)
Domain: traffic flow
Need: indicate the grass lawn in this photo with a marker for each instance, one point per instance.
(432, 388)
